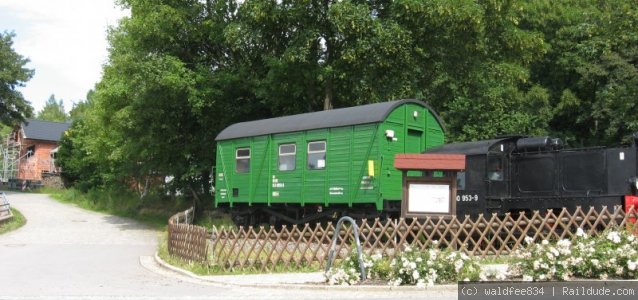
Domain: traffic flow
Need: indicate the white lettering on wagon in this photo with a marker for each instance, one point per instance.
(335, 191)
(366, 183)
(276, 184)
(467, 198)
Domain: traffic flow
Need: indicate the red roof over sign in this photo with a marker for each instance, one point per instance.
(430, 162)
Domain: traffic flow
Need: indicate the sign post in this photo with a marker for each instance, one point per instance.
(434, 192)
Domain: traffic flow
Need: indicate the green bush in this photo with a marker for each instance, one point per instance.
(410, 267)
(611, 254)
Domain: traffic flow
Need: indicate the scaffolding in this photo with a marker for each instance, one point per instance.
(10, 150)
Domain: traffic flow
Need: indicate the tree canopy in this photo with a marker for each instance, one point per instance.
(13, 74)
(53, 110)
(180, 71)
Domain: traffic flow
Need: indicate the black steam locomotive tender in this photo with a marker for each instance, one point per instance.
(523, 174)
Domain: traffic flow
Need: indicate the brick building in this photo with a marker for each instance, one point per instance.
(37, 142)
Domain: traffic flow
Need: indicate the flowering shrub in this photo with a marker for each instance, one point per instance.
(410, 267)
(348, 272)
(544, 261)
(610, 254)
(432, 266)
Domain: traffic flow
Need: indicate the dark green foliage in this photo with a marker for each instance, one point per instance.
(180, 71)
(591, 70)
(13, 74)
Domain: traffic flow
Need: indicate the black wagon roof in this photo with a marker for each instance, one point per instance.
(44, 130)
(363, 114)
(470, 148)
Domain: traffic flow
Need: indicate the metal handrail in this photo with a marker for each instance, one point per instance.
(331, 253)
(188, 216)
(5, 203)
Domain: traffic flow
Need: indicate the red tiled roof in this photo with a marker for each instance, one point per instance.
(434, 162)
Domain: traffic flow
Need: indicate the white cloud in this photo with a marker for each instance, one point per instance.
(65, 41)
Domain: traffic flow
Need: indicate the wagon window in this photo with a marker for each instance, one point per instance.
(495, 168)
(242, 160)
(287, 156)
(317, 155)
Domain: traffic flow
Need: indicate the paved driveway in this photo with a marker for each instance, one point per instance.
(64, 252)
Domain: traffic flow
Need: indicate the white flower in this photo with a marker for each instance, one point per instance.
(545, 242)
(614, 237)
(580, 232)
(458, 265)
(529, 240)
(595, 262)
(416, 275)
(631, 265)
(564, 243)
(420, 283)
(430, 282)
(527, 278)
(542, 277)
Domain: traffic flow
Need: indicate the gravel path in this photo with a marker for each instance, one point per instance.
(64, 252)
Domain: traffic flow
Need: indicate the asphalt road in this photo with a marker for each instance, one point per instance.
(64, 252)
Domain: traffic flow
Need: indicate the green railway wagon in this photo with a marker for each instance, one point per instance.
(304, 167)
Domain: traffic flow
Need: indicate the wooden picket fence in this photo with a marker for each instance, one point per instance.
(266, 249)
(187, 241)
(270, 248)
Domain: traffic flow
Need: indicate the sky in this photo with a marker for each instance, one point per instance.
(65, 41)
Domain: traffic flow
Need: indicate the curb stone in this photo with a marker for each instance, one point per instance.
(438, 289)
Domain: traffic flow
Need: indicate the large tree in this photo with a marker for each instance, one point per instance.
(318, 54)
(180, 71)
(591, 69)
(13, 74)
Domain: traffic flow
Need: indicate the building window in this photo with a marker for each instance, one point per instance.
(242, 160)
(317, 155)
(30, 151)
(287, 156)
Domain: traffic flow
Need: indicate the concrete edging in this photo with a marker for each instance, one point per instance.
(448, 288)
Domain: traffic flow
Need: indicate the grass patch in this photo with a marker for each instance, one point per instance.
(153, 211)
(14, 223)
(492, 260)
(208, 219)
